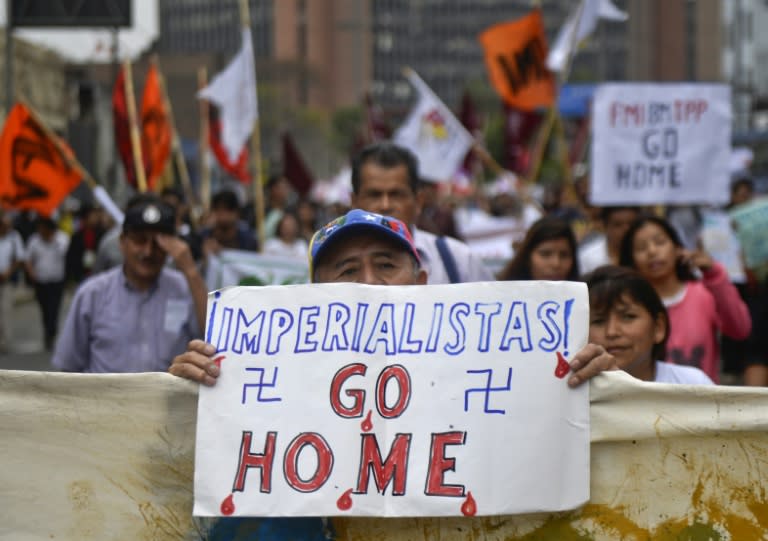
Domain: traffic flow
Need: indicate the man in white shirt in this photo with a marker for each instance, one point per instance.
(46, 266)
(385, 180)
(605, 249)
(11, 258)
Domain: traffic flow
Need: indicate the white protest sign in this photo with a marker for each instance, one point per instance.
(660, 144)
(352, 400)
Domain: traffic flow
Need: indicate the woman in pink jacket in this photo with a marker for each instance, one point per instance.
(698, 308)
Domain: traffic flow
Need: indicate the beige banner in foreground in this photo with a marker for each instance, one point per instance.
(110, 457)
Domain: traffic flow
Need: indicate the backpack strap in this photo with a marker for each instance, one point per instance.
(448, 261)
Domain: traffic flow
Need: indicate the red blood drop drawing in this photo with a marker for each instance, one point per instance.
(562, 366)
(228, 506)
(367, 425)
(469, 507)
(217, 360)
(345, 502)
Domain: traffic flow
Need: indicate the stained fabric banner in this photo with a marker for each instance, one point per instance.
(110, 456)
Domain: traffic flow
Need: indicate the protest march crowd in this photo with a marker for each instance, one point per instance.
(664, 311)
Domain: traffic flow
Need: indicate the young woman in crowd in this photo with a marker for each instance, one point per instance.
(698, 308)
(627, 318)
(287, 240)
(548, 252)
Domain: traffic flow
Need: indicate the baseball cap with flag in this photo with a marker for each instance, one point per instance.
(359, 220)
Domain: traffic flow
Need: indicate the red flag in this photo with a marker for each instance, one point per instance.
(155, 128)
(294, 168)
(238, 169)
(580, 141)
(519, 127)
(123, 129)
(34, 174)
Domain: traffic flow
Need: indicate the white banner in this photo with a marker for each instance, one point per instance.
(355, 400)
(433, 134)
(240, 267)
(660, 144)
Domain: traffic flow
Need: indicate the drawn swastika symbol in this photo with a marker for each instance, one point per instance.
(261, 385)
(488, 389)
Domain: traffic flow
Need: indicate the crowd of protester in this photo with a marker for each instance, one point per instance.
(659, 303)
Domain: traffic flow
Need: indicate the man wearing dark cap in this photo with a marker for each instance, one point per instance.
(137, 316)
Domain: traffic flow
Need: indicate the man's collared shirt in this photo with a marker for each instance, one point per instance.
(469, 266)
(113, 327)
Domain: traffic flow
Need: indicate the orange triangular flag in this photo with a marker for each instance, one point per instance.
(516, 58)
(34, 175)
(155, 128)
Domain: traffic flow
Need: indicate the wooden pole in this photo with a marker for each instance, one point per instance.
(176, 150)
(205, 170)
(138, 158)
(256, 165)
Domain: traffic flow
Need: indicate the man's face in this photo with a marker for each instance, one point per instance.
(143, 258)
(368, 259)
(386, 190)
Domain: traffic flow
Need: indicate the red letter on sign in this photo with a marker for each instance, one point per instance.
(359, 395)
(395, 466)
(254, 460)
(324, 462)
(438, 464)
(400, 374)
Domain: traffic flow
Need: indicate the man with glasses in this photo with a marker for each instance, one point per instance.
(137, 316)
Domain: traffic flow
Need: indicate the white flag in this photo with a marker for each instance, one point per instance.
(233, 90)
(433, 134)
(590, 12)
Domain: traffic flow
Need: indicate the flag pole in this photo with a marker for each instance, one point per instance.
(258, 189)
(178, 155)
(549, 122)
(205, 170)
(138, 158)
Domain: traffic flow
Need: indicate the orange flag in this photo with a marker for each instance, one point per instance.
(155, 128)
(34, 175)
(516, 57)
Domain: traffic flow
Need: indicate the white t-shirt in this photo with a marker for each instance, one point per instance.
(469, 266)
(676, 373)
(593, 254)
(47, 259)
(275, 246)
(11, 249)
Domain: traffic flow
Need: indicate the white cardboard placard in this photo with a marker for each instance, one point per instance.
(345, 399)
(656, 143)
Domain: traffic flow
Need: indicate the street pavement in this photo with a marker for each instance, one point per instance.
(26, 351)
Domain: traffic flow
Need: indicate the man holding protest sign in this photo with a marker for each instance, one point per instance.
(368, 248)
(135, 317)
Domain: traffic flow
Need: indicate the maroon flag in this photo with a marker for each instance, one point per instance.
(580, 140)
(519, 129)
(377, 128)
(294, 168)
(237, 169)
(471, 121)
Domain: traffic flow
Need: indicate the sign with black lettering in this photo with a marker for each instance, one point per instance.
(660, 144)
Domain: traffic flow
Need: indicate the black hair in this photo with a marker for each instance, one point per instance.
(544, 229)
(605, 212)
(225, 199)
(387, 155)
(609, 284)
(626, 254)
